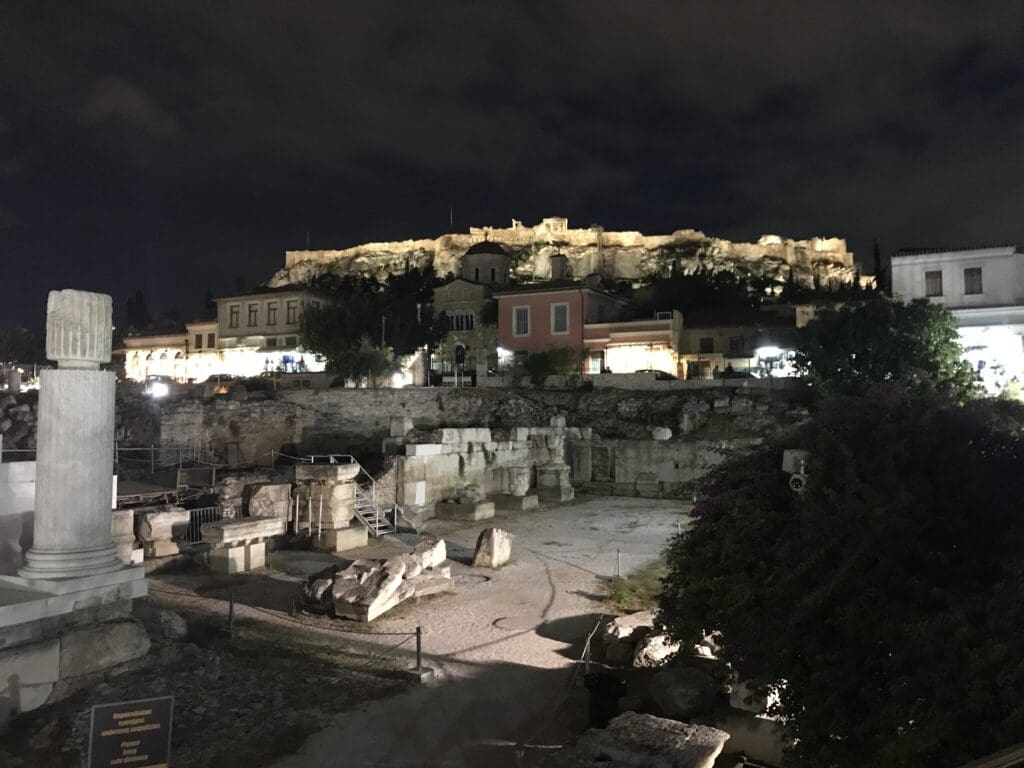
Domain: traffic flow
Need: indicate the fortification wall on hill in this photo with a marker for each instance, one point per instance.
(624, 255)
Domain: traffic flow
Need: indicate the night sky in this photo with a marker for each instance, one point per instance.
(176, 147)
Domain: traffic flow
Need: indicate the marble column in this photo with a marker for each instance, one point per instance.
(74, 466)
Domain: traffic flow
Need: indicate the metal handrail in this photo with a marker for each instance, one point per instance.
(368, 487)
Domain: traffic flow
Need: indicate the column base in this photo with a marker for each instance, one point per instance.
(42, 564)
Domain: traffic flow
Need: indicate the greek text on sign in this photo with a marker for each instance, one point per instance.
(131, 734)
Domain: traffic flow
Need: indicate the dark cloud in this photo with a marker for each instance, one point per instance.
(173, 146)
(113, 98)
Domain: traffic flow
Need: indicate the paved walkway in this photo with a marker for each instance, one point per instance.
(503, 642)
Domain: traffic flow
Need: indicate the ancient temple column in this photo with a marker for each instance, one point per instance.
(74, 443)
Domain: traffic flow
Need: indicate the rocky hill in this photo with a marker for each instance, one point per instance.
(614, 255)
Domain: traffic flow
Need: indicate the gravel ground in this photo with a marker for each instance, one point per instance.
(299, 691)
(505, 648)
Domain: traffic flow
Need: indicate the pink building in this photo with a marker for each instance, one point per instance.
(590, 321)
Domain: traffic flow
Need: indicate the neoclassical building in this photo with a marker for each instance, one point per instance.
(254, 333)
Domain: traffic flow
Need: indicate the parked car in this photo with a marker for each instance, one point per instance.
(659, 375)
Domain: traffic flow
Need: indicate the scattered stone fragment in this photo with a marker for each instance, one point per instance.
(431, 551)
(633, 739)
(370, 587)
(653, 651)
(493, 548)
(683, 692)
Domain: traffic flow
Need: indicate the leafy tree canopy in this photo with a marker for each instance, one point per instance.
(20, 345)
(360, 310)
(887, 599)
(849, 349)
(702, 289)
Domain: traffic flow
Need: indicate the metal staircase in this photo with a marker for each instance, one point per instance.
(381, 520)
(371, 514)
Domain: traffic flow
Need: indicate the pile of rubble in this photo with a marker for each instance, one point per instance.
(633, 739)
(370, 587)
(17, 422)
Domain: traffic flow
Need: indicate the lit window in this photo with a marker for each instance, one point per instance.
(560, 318)
(272, 313)
(254, 311)
(972, 281)
(933, 283)
(233, 320)
(521, 321)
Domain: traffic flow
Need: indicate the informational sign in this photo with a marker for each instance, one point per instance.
(131, 734)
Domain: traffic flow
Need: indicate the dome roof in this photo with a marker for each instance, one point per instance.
(488, 247)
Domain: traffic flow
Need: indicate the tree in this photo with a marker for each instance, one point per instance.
(20, 345)
(137, 313)
(886, 601)
(849, 349)
(394, 317)
(704, 289)
(365, 360)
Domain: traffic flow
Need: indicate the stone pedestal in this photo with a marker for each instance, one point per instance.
(240, 545)
(122, 531)
(160, 529)
(472, 510)
(518, 480)
(71, 534)
(341, 539)
(239, 559)
(504, 502)
(553, 483)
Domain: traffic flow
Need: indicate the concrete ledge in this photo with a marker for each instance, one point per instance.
(24, 600)
(241, 530)
(342, 539)
(480, 510)
(240, 559)
(505, 502)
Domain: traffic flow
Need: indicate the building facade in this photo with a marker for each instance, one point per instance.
(253, 334)
(594, 324)
(983, 288)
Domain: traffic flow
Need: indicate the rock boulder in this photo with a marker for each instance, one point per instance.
(683, 692)
(632, 739)
(493, 548)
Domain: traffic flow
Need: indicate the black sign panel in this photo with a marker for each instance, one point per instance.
(132, 734)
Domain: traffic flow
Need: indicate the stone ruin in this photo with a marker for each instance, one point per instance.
(470, 473)
(66, 615)
(370, 587)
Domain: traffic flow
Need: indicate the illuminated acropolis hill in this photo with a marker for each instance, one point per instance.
(620, 255)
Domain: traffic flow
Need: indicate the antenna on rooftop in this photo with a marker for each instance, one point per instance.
(451, 216)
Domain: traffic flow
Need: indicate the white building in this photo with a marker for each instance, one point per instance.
(984, 290)
(254, 333)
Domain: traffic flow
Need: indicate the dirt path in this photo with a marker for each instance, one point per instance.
(504, 643)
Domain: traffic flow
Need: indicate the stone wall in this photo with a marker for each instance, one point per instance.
(621, 457)
(356, 420)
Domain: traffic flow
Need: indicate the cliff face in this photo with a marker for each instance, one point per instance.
(615, 255)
